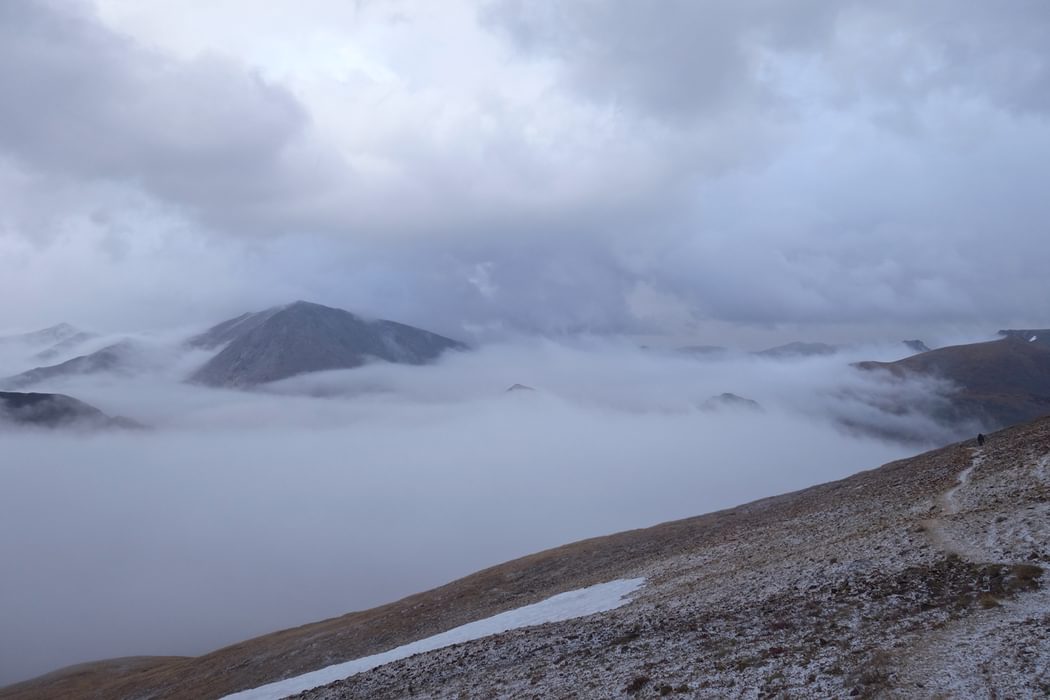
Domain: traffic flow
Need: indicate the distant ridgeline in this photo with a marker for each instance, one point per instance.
(254, 348)
(1033, 335)
(990, 385)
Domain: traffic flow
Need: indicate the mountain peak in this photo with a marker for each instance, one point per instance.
(304, 308)
(305, 337)
(303, 305)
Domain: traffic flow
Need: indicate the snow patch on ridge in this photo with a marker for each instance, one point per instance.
(564, 606)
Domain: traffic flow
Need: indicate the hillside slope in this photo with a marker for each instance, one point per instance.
(112, 358)
(922, 577)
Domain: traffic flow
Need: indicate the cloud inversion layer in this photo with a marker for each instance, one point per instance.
(240, 513)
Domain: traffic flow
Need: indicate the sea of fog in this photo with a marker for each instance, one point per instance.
(240, 513)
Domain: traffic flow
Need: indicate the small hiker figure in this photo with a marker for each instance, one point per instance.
(980, 439)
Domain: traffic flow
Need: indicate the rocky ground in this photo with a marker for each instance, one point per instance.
(923, 578)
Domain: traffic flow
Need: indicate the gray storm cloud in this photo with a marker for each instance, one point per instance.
(696, 59)
(207, 135)
(753, 164)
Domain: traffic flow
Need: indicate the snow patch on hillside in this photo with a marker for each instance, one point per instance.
(564, 606)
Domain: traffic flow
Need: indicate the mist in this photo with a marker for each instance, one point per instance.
(239, 513)
(500, 172)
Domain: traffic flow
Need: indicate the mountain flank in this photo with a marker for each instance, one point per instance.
(222, 333)
(924, 578)
(65, 347)
(304, 337)
(111, 358)
(999, 383)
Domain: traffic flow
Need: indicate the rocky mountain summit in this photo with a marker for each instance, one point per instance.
(923, 578)
(304, 337)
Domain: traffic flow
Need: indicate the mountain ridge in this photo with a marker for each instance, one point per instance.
(110, 358)
(999, 382)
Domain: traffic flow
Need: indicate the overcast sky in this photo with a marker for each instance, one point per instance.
(489, 166)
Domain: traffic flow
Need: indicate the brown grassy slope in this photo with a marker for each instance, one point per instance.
(70, 681)
(1003, 382)
(882, 585)
(519, 582)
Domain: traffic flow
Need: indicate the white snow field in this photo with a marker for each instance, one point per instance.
(564, 606)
